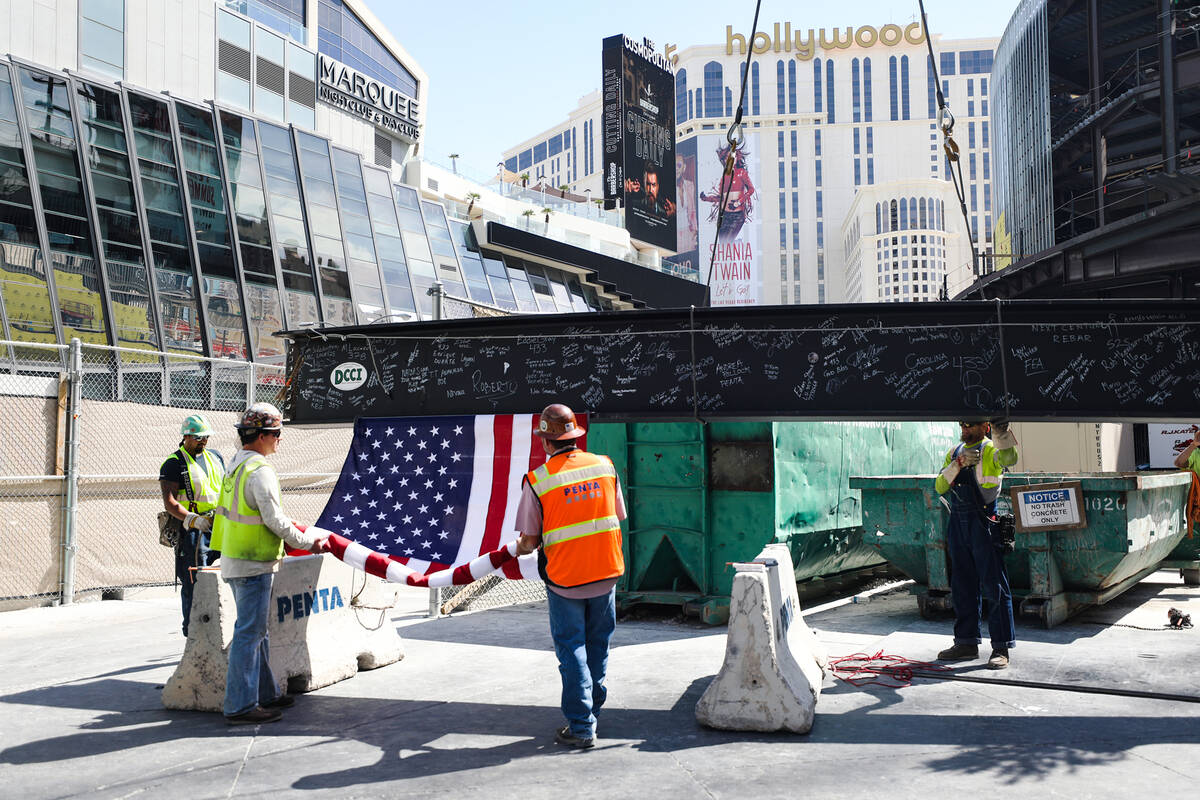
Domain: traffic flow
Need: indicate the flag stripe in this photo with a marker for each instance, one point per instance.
(501, 461)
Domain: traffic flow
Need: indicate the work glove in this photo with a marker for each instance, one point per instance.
(950, 471)
(197, 522)
(1002, 437)
(968, 458)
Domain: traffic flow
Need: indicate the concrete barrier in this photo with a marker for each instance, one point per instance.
(324, 626)
(771, 677)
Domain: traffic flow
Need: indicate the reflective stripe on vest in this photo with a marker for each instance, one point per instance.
(568, 532)
(542, 481)
(236, 501)
(206, 480)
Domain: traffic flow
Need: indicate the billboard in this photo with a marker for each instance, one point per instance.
(734, 250)
(1168, 441)
(687, 223)
(638, 116)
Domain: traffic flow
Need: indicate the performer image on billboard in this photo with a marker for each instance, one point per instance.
(739, 204)
(648, 189)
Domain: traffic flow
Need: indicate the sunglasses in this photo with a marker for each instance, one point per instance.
(971, 424)
(276, 434)
(199, 438)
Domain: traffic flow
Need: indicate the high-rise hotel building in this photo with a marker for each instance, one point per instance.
(852, 188)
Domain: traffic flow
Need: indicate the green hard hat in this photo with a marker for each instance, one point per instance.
(195, 425)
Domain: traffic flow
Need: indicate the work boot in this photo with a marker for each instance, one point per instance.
(284, 700)
(564, 736)
(999, 660)
(255, 716)
(959, 652)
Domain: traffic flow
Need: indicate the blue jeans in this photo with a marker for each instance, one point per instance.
(192, 552)
(581, 630)
(249, 680)
(977, 571)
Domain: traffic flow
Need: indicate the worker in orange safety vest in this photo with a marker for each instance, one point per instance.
(570, 511)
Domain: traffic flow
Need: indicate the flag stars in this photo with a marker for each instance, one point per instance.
(364, 490)
(338, 518)
(371, 469)
(407, 519)
(441, 470)
(357, 477)
(379, 481)
(445, 443)
(385, 457)
(397, 506)
(347, 497)
(363, 524)
(373, 536)
(447, 511)
(372, 504)
(455, 457)
(419, 471)
(408, 456)
(443, 534)
(381, 516)
(388, 494)
(426, 544)
(436, 556)
(422, 509)
(356, 511)
(408, 551)
(363, 456)
(453, 482)
(389, 431)
(437, 498)
(432, 457)
(412, 431)
(367, 433)
(458, 430)
(421, 444)
(428, 484)
(394, 469)
(433, 431)
(404, 481)
(412, 495)
(390, 529)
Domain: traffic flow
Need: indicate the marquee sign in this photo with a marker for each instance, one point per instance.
(386, 108)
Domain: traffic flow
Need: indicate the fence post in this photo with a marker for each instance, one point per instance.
(71, 471)
(438, 291)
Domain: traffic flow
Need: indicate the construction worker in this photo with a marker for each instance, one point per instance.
(194, 469)
(971, 477)
(250, 529)
(570, 512)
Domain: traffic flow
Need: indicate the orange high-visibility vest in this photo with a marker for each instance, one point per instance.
(581, 535)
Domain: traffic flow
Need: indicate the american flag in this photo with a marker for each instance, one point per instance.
(435, 492)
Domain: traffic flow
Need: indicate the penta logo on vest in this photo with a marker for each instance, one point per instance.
(348, 375)
(303, 605)
(581, 491)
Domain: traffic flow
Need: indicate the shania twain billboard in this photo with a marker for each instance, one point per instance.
(639, 138)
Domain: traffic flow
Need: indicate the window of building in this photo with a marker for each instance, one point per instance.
(947, 64)
(829, 95)
(754, 89)
(795, 144)
(324, 225)
(791, 87)
(714, 86)
(816, 86)
(102, 36)
(904, 107)
(971, 159)
(870, 171)
(893, 88)
(780, 87)
(223, 304)
(817, 167)
(782, 205)
(987, 166)
(856, 141)
(106, 159)
(984, 129)
(681, 110)
(931, 88)
(285, 16)
(856, 92)
(795, 174)
(779, 136)
(974, 62)
(796, 235)
(234, 49)
(287, 216)
(857, 172)
(393, 266)
(796, 204)
(342, 35)
(867, 90)
(817, 142)
(971, 134)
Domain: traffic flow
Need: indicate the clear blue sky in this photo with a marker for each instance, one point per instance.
(501, 71)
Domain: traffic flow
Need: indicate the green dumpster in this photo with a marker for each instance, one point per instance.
(703, 495)
(1134, 520)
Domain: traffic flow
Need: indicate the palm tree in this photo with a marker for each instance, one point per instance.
(472, 196)
(524, 180)
(547, 211)
(454, 162)
(528, 214)
(562, 190)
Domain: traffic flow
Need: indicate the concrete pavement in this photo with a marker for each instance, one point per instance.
(472, 708)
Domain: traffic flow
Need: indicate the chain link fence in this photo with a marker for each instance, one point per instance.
(83, 434)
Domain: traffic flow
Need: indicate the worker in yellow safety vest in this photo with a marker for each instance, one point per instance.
(190, 480)
(570, 512)
(970, 478)
(251, 530)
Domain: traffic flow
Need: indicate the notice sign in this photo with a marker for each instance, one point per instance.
(1049, 506)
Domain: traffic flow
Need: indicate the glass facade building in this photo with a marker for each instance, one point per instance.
(149, 222)
(1023, 180)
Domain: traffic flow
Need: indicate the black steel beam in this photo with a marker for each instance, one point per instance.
(1029, 360)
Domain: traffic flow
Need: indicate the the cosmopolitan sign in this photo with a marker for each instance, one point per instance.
(348, 89)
